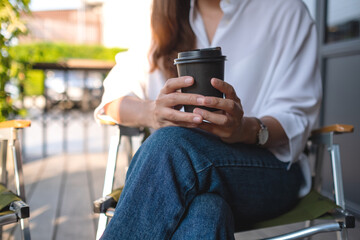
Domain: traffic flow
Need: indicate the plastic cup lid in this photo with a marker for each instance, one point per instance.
(203, 53)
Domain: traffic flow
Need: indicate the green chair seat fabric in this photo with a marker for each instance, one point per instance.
(6, 197)
(116, 194)
(310, 207)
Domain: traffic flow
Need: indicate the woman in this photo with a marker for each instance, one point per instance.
(196, 179)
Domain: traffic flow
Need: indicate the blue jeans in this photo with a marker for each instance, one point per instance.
(186, 184)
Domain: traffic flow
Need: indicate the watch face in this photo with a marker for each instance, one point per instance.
(263, 136)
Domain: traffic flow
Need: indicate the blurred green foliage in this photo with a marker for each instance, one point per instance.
(11, 27)
(34, 84)
(54, 52)
(16, 74)
(50, 52)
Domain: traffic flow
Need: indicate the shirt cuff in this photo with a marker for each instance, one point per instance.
(296, 132)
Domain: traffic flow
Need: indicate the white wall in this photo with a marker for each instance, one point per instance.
(126, 23)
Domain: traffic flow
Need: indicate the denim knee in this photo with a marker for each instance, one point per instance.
(171, 136)
(164, 158)
(182, 145)
(208, 217)
(215, 207)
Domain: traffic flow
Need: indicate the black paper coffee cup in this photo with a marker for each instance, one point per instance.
(203, 65)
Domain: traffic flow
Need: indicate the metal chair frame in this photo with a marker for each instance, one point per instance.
(115, 141)
(9, 140)
(324, 139)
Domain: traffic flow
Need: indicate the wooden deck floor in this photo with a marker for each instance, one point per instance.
(61, 189)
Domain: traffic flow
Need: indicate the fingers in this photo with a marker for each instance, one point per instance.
(225, 88)
(220, 122)
(170, 99)
(171, 117)
(175, 99)
(216, 130)
(228, 105)
(215, 118)
(178, 116)
(173, 84)
(231, 104)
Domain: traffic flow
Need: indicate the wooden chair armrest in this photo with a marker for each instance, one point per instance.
(336, 128)
(15, 124)
(106, 122)
(125, 131)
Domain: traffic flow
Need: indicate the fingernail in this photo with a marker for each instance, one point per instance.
(216, 81)
(200, 100)
(188, 80)
(197, 111)
(197, 119)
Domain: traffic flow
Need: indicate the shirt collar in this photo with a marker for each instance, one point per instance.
(227, 1)
(227, 6)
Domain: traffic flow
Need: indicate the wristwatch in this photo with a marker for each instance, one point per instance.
(263, 134)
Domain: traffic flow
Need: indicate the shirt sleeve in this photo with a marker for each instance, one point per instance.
(296, 91)
(126, 78)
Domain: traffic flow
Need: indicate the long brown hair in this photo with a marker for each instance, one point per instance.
(171, 33)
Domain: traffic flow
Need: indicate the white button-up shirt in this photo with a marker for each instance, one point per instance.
(271, 51)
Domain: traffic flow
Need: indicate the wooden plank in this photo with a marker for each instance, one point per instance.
(15, 124)
(336, 128)
(75, 214)
(249, 235)
(42, 184)
(96, 164)
(45, 198)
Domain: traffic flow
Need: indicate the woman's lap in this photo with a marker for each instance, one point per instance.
(174, 165)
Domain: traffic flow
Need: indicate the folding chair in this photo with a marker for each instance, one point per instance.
(313, 206)
(105, 206)
(13, 207)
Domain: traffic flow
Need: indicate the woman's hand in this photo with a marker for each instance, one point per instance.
(229, 121)
(165, 109)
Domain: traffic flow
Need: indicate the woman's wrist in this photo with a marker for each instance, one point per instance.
(249, 130)
(147, 118)
(131, 111)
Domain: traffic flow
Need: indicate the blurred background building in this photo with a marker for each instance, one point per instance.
(111, 23)
(71, 26)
